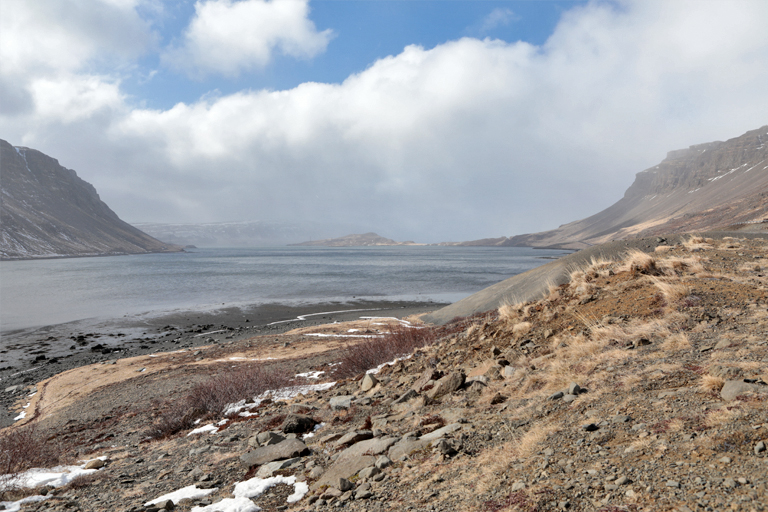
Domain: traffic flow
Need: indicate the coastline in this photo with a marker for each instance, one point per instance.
(33, 355)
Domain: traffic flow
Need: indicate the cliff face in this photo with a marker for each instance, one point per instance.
(46, 210)
(705, 187)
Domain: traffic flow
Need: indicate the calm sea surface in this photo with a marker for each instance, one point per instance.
(44, 292)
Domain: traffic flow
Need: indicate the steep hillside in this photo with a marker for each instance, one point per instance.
(47, 211)
(705, 187)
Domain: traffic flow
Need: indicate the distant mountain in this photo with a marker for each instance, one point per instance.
(366, 239)
(718, 185)
(46, 210)
(229, 234)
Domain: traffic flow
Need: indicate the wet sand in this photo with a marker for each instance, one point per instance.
(32, 355)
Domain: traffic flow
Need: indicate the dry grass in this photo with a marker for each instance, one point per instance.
(639, 262)
(677, 341)
(711, 384)
(676, 265)
(696, 242)
(521, 329)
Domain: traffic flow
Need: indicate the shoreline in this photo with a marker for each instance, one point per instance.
(32, 355)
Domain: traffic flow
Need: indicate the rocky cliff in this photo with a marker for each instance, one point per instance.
(46, 210)
(705, 187)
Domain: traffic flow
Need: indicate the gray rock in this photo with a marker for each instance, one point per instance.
(590, 427)
(269, 468)
(759, 447)
(383, 462)
(556, 396)
(341, 402)
(345, 466)
(375, 446)
(408, 395)
(673, 483)
(730, 483)
(369, 472)
(287, 449)
(619, 418)
(268, 438)
(369, 382)
(13, 389)
(508, 372)
(298, 424)
(330, 438)
(733, 388)
(518, 486)
(622, 480)
(315, 473)
(569, 398)
(445, 447)
(447, 385)
(344, 485)
(425, 378)
(354, 437)
(363, 494)
(573, 389)
(441, 432)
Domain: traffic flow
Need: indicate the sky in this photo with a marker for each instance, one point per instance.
(420, 120)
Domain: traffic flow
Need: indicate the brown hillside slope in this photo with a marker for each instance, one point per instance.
(705, 187)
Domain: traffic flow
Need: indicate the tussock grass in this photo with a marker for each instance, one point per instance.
(639, 262)
(711, 384)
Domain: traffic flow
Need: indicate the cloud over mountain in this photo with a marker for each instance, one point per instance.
(467, 139)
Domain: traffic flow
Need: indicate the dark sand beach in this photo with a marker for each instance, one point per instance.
(32, 355)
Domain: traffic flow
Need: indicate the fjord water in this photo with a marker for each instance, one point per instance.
(44, 292)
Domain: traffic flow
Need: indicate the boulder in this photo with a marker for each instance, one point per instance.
(369, 382)
(408, 395)
(354, 437)
(447, 385)
(733, 388)
(267, 438)
(425, 378)
(287, 449)
(341, 402)
(298, 424)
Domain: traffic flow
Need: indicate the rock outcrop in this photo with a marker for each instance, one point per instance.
(46, 210)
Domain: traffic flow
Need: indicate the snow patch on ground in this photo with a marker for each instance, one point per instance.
(191, 492)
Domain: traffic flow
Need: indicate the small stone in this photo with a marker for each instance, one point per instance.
(622, 480)
(590, 427)
(383, 462)
(344, 485)
(569, 398)
(573, 389)
(369, 382)
(673, 483)
(298, 424)
(95, 464)
(518, 486)
(725, 460)
(759, 447)
(267, 438)
(556, 396)
(730, 483)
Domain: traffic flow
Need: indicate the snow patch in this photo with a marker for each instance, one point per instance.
(191, 492)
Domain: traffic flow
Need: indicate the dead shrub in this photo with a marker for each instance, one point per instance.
(22, 449)
(402, 340)
(209, 399)
(711, 384)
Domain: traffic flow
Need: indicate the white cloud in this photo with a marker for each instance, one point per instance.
(227, 37)
(468, 139)
(498, 17)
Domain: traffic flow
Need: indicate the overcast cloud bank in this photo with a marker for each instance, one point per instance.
(471, 138)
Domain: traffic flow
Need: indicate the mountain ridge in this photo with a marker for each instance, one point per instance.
(47, 211)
